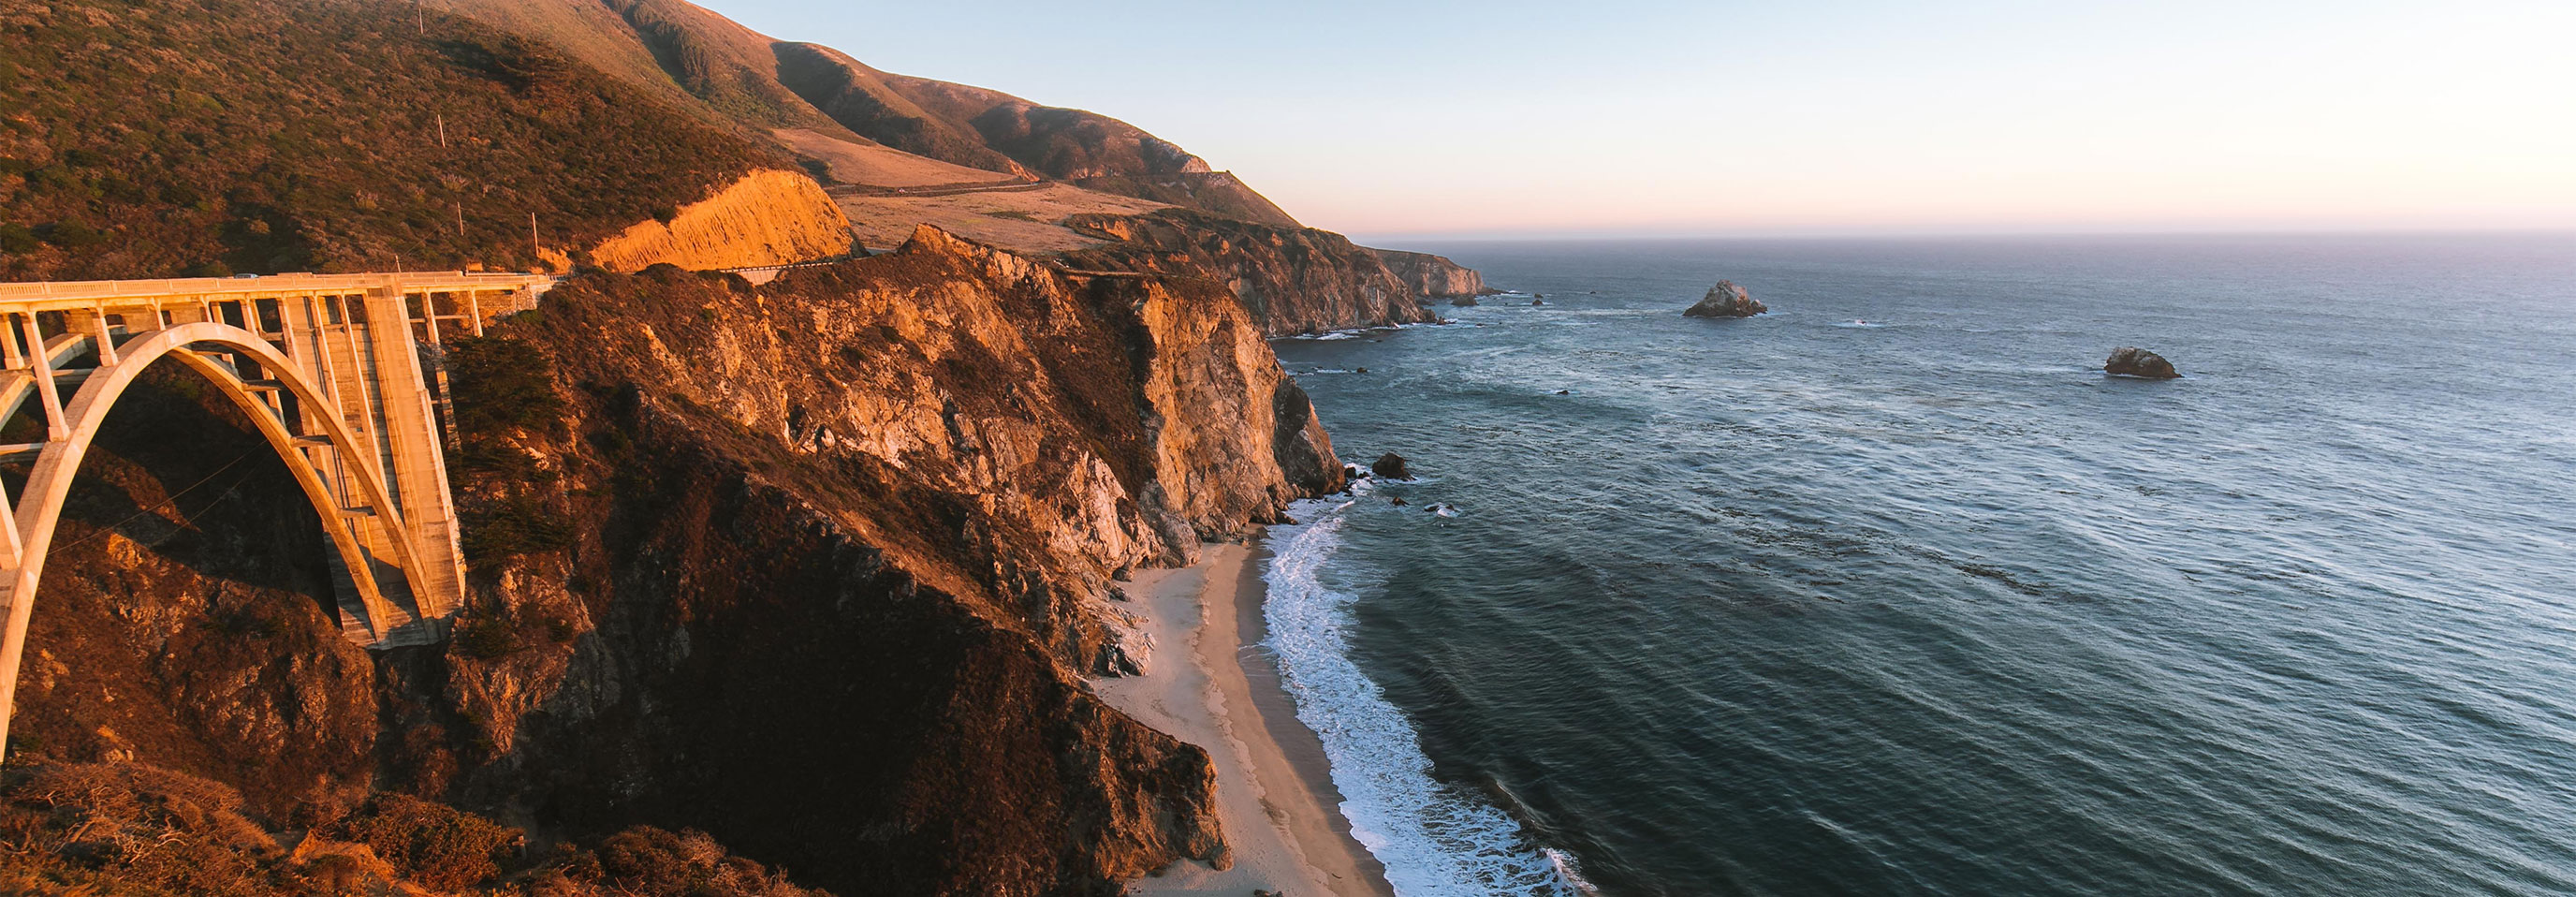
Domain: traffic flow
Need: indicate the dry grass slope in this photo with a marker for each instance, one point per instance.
(147, 138)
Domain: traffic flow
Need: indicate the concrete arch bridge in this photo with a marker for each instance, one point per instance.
(342, 374)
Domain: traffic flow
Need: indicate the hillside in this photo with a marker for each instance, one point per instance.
(147, 139)
(903, 151)
(674, 48)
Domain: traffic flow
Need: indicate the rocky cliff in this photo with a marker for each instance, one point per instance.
(1434, 276)
(1295, 280)
(815, 567)
(769, 217)
(836, 558)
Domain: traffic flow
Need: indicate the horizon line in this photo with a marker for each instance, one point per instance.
(1641, 234)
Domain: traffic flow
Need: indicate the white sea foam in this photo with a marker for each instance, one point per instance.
(1434, 840)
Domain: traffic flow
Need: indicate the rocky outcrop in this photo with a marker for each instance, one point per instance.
(1726, 300)
(1434, 276)
(765, 218)
(1390, 466)
(815, 567)
(2131, 361)
(1294, 281)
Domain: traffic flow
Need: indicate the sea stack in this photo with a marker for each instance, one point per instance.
(1390, 466)
(1726, 300)
(2131, 361)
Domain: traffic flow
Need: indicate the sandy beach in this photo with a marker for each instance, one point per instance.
(1206, 685)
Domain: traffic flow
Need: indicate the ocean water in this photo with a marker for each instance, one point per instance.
(1799, 605)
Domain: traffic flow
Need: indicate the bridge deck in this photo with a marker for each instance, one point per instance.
(81, 294)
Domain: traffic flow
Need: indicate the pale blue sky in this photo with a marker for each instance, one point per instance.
(1638, 117)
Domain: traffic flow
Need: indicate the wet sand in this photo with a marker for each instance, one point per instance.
(1206, 684)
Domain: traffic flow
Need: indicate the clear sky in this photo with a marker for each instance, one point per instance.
(1626, 117)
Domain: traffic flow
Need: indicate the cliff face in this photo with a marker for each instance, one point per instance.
(1434, 276)
(1294, 280)
(815, 567)
(838, 554)
(765, 218)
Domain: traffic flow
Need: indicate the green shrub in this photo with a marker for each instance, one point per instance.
(17, 238)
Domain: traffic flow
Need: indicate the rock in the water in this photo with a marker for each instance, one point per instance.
(1463, 301)
(1390, 466)
(1726, 300)
(1399, 501)
(1538, 302)
(2131, 361)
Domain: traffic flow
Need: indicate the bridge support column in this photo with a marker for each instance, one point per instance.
(418, 472)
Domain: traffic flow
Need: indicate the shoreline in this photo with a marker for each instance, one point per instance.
(1209, 684)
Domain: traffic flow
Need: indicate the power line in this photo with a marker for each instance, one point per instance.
(174, 497)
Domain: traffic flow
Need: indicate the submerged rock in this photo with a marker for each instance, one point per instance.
(2131, 361)
(1390, 466)
(1726, 300)
(1463, 301)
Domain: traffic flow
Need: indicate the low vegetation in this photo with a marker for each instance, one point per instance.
(146, 138)
(119, 829)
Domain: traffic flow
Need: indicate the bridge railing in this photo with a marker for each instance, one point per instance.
(61, 295)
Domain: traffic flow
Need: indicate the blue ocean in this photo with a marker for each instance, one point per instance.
(1891, 591)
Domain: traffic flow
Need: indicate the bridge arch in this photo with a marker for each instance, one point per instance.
(340, 373)
(73, 426)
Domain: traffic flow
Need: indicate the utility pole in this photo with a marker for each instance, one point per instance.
(442, 130)
(419, 19)
(537, 250)
(460, 221)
